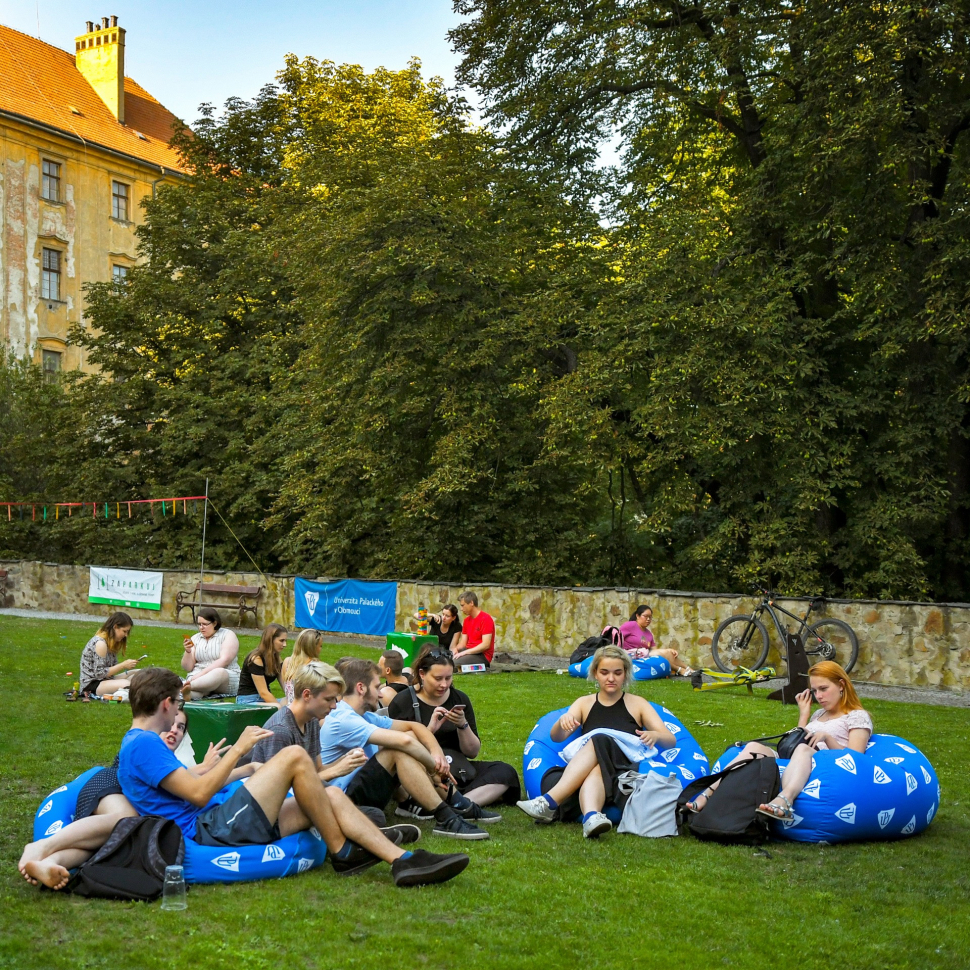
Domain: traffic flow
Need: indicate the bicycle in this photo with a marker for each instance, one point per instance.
(742, 640)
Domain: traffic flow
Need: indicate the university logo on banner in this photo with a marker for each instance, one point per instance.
(125, 587)
(346, 606)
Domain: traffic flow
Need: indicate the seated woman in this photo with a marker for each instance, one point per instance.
(840, 722)
(638, 641)
(261, 667)
(594, 769)
(448, 713)
(100, 807)
(306, 648)
(444, 625)
(210, 658)
(101, 673)
(390, 665)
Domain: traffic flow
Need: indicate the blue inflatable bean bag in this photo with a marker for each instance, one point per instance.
(648, 668)
(203, 863)
(888, 792)
(541, 753)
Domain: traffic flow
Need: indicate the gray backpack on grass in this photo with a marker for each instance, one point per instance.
(651, 809)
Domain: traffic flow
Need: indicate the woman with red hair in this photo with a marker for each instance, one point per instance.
(840, 722)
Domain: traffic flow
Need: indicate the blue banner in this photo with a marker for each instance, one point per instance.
(346, 606)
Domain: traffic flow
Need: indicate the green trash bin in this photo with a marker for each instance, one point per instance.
(210, 721)
(409, 644)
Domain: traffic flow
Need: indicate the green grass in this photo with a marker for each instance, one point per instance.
(532, 896)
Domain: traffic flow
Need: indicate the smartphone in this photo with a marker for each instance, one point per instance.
(144, 656)
(459, 707)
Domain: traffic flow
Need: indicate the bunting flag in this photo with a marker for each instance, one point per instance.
(102, 509)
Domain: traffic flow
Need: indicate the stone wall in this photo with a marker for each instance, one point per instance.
(902, 644)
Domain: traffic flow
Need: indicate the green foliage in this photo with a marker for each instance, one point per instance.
(789, 313)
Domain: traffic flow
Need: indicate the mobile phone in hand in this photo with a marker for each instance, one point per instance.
(459, 707)
(144, 656)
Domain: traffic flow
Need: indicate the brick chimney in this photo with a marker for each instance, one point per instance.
(100, 57)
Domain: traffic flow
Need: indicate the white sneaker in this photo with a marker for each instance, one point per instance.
(596, 825)
(538, 808)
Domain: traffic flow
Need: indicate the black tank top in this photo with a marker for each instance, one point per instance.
(616, 716)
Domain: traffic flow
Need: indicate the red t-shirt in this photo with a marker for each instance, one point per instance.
(477, 628)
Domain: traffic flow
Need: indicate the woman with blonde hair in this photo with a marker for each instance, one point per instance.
(306, 648)
(840, 722)
(593, 770)
(101, 671)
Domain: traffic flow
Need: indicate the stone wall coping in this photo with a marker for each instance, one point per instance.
(683, 594)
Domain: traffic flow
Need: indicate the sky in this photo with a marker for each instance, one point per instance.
(207, 51)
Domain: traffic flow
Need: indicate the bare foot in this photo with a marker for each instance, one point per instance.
(49, 874)
(186, 692)
(33, 852)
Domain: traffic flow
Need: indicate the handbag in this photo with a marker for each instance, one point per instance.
(462, 770)
(787, 742)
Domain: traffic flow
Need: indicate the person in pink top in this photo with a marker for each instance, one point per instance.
(476, 644)
(638, 641)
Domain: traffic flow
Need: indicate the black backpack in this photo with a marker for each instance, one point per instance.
(587, 648)
(131, 863)
(730, 814)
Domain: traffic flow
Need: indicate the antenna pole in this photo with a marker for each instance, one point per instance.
(205, 510)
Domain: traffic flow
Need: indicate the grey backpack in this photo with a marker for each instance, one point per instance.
(651, 809)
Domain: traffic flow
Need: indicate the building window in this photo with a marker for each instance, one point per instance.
(50, 281)
(52, 365)
(119, 201)
(119, 273)
(51, 181)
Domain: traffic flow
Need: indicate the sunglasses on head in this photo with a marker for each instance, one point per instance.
(440, 653)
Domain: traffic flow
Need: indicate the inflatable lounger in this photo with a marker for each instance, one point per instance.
(888, 792)
(202, 863)
(541, 754)
(649, 668)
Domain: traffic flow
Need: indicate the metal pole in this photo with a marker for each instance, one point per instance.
(205, 509)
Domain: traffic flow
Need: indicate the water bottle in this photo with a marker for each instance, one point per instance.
(173, 890)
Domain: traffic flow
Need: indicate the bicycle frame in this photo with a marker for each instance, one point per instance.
(768, 605)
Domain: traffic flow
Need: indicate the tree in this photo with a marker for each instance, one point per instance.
(789, 319)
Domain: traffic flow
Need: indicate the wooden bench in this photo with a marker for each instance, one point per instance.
(242, 599)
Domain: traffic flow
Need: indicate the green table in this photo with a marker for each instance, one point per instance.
(409, 644)
(210, 721)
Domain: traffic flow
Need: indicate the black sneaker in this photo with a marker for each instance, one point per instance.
(358, 859)
(427, 867)
(475, 813)
(409, 808)
(402, 834)
(456, 827)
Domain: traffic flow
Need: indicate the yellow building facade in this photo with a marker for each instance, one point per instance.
(81, 146)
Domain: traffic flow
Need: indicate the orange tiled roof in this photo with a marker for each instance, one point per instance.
(40, 82)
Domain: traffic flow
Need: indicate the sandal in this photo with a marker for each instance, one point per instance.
(692, 805)
(781, 813)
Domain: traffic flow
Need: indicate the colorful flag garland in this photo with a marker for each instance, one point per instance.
(169, 507)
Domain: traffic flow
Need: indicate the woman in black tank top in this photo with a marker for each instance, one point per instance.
(594, 768)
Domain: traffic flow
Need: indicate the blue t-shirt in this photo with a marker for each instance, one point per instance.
(343, 729)
(144, 762)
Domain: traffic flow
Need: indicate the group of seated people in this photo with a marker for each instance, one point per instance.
(348, 746)
(332, 740)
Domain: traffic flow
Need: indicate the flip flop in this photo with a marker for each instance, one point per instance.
(781, 813)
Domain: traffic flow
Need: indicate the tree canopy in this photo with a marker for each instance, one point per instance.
(400, 343)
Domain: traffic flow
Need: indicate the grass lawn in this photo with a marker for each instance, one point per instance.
(537, 897)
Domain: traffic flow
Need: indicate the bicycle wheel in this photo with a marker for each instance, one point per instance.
(832, 639)
(740, 641)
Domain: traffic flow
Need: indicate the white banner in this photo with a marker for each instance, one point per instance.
(125, 587)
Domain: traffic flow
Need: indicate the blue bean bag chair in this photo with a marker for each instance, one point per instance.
(202, 863)
(649, 668)
(888, 792)
(541, 754)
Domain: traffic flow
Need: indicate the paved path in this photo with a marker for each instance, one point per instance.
(911, 695)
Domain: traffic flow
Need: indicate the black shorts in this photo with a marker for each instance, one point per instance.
(239, 820)
(373, 785)
(92, 687)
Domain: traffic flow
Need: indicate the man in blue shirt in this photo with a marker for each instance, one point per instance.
(258, 813)
(400, 753)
